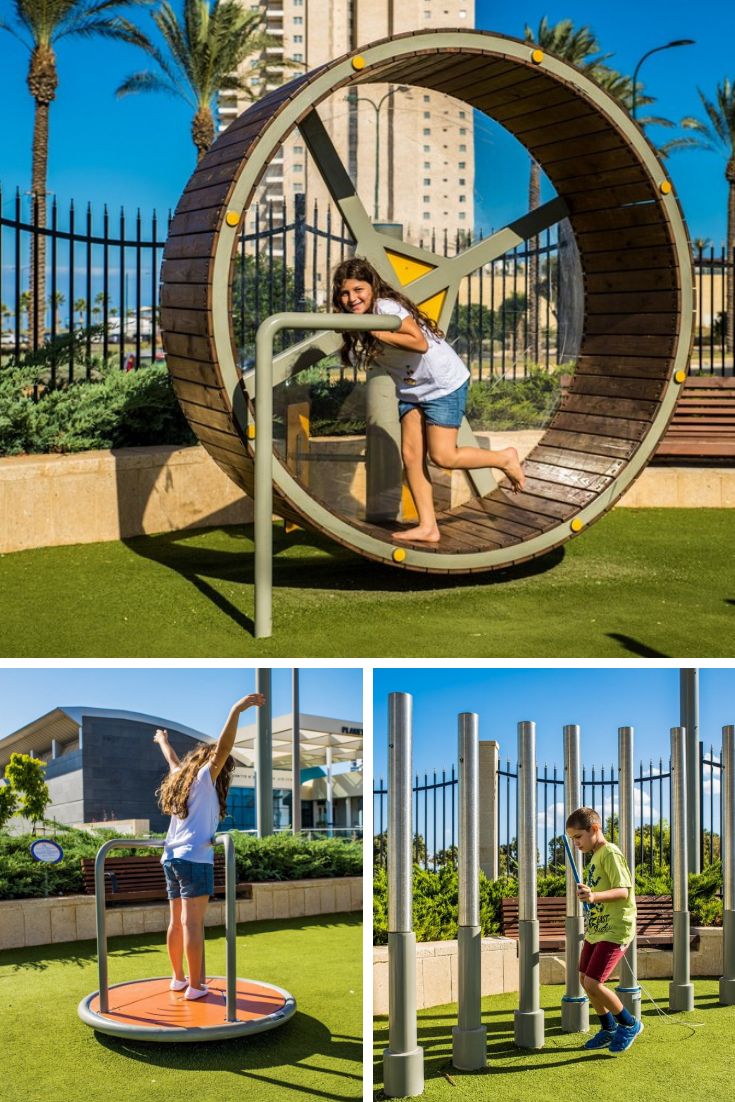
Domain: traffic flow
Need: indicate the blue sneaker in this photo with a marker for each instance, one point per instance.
(603, 1039)
(624, 1037)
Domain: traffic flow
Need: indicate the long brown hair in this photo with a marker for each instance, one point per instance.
(173, 795)
(362, 348)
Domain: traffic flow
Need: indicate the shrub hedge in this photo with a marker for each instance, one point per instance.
(280, 857)
(435, 899)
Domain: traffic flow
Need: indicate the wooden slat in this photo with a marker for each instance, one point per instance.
(646, 279)
(603, 198)
(187, 270)
(628, 324)
(186, 296)
(190, 346)
(566, 476)
(613, 386)
(651, 235)
(632, 302)
(627, 257)
(617, 447)
(660, 345)
(615, 427)
(637, 409)
(513, 109)
(630, 365)
(195, 322)
(581, 461)
(620, 218)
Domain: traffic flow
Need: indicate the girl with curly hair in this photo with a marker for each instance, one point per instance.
(194, 794)
(431, 382)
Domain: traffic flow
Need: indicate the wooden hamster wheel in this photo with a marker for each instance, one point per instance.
(634, 255)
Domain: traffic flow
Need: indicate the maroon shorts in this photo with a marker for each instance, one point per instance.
(598, 961)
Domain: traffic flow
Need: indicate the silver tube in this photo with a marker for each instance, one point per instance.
(264, 756)
(469, 819)
(528, 1019)
(628, 990)
(400, 857)
(296, 756)
(575, 1011)
(263, 441)
(230, 924)
(469, 1036)
(526, 832)
(572, 800)
(678, 818)
(728, 816)
(403, 1060)
(727, 787)
(689, 720)
(681, 991)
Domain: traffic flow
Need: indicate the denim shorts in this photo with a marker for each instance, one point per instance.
(446, 412)
(188, 879)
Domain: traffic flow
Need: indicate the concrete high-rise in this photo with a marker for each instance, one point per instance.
(409, 151)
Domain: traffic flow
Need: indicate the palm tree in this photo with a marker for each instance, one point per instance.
(206, 48)
(39, 24)
(718, 136)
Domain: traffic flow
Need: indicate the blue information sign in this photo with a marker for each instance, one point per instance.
(45, 849)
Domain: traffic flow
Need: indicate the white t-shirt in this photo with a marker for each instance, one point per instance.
(191, 838)
(420, 376)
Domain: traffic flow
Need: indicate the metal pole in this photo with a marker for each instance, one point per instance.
(628, 990)
(403, 1060)
(681, 991)
(489, 759)
(727, 788)
(575, 1006)
(330, 795)
(296, 756)
(469, 1036)
(230, 924)
(263, 439)
(528, 1024)
(689, 720)
(264, 756)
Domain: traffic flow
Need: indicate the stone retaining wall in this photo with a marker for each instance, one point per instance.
(436, 967)
(90, 497)
(26, 922)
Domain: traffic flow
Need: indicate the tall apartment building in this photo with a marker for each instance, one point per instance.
(420, 142)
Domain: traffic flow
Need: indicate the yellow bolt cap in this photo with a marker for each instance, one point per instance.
(251, 432)
(232, 218)
(665, 187)
(358, 62)
(577, 525)
(680, 377)
(399, 554)
(537, 56)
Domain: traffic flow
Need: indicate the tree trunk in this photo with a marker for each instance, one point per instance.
(730, 250)
(42, 82)
(534, 202)
(202, 130)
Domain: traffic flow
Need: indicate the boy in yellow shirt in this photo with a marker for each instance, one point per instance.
(611, 925)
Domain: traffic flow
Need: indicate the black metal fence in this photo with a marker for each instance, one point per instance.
(101, 281)
(435, 812)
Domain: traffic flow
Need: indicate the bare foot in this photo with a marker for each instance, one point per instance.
(423, 533)
(512, 468)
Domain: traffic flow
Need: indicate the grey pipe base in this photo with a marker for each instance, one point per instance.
(681, 996)
(469, 1036)
(528, 1020)
(575, 1014)
(403, 1074)
(727, 981)
(403, 1060)
(469, 1048)
(528, 1028)
(630, 997)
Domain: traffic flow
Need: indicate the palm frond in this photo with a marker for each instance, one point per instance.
(146, 82)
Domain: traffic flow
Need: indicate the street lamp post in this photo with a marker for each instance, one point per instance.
(655, 50)
(376, 108)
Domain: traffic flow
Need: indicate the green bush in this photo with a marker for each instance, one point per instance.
(280, 857)
(117, 409)
(435, 896)
(528, 402)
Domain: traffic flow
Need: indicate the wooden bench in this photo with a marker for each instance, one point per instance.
(655, 921)
(703, 425)
(141, 879)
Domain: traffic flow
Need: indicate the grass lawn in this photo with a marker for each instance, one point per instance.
(49, 1055)
(640, 583)
(670, 1060)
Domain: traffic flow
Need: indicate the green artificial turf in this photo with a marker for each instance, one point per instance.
(673, 1059)
(640, 583)
(49, 1055)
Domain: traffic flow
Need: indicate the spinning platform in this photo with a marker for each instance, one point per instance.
(149, 1011)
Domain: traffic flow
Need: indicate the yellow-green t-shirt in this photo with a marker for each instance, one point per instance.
(614, 919)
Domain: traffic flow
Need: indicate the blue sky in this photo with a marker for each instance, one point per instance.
(137, 151)
(199, 698)
(599, 700)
